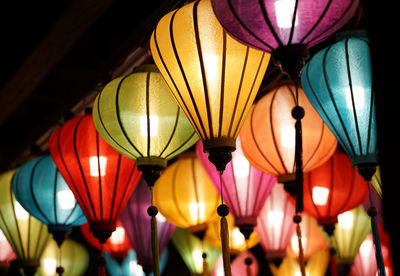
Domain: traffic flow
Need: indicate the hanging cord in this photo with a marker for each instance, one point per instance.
(60, 269)
(223, 211)
(297, 220)
(101, 263)
(153, 211)
(248, 261)
(332, 258)
(372, 212)
(204, 256)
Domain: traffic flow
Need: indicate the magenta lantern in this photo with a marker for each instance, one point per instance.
(244, 187)
(136, 221)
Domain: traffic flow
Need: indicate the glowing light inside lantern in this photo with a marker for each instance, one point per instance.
(288, 135)
(320, 195)
(160, 218)
(135, 268)
(358, 97)
(366, 248)
(20, 212)
(211, 65)
(345, 220)
(153, 125)
(241, 166)
(50, 265)
(294, 243)
(237, 238)
(284, 10)
(118, 236)
(276, 219)
(198, 259)
(95, 163)
(2, 236)
(197, 210)
(66, 199)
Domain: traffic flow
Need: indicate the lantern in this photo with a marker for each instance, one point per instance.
(245, 264)
(117, 245)
(6, 254)
(275, 226)
(27, 236)
(313, 239)
(351, 230)
(185, 194)
(286, 28)
(196, 254)
(74, 259)
(245, 188)
(130, 266)
(237, 241)
(101, 179)
(376, 181)
(136, 221)
(42, 191)
(137, 115)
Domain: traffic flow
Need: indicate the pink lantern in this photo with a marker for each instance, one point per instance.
(245, 265)
(275, 225)
(6, 254)
(244, 187)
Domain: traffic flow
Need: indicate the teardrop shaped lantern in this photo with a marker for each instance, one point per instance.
(74, 259)
(6, 254)
(101, 179)
(40, 188)
(275, 225)
(286, 28)
(198, 255)
(244, 187)
(185, 194)
(136, 222)
(27, 236)
(117, 245)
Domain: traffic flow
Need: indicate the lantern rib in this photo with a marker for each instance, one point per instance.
(239, 89)
(334, 103)
(70, 214)
(181, 215)
(258, 193)
(317, 145)
(80, 167)
(114, 193)
(293, 22)
(317, 23)
(370, 120)
(203, 73)
(55, 195)
(186, 81)
(246, 212)
(172, 133)
(332, 181)
(29, 237)
(236, 191)
(310, 186)
(246, 28)
(268, 22)
(8, 234)
(181, 146)
(38, 250)
(196, 193)
(352, 95)
(242, 117)
(119, 116)
(350, 192)
(99, 176)
(72, 182)
(222, 98)
(148, 112)
(189, 115)
(282, 234)
(16, 223)
(105, 129)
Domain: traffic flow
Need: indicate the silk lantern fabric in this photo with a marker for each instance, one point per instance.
(244, 187)
(268, 135)
(271, 24)
(40, 188)
(27, 236)
(136, 222)
(333, 188)
(101, 179)
(6, 253)
(338, 82)
(213, 77)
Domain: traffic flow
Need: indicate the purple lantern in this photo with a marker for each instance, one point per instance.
(136, 222)
(291, 26)
(244, 187)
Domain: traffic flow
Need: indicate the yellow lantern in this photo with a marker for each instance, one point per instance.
(237, 242)
(27, 235)
(74, 259)
(185, 195)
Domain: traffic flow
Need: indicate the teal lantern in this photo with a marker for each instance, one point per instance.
(42, 191)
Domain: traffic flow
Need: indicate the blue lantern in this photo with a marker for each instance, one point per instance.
(129, 265)
(40, 188)
(338, 82)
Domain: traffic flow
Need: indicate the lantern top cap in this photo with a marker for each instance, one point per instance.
(146, 68)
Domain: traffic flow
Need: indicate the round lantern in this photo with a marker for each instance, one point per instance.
(245, 264)
(101, 179)
(196, 254)
(185, 194)
(117, 245)
(333, 188)
(244, 187)
(74, 259)
(42, 191)
(27, 236)
(6, 254)
(286, 28)
(275, 225)
(136, 222)
(130, 266)
(352, 228)
(237, 241)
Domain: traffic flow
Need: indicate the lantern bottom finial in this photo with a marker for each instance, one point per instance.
(220, 157)
(102, 230)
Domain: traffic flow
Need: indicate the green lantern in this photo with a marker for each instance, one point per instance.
(27, 235)
(74, 259)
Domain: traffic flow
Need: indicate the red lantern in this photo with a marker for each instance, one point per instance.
(101, 179)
